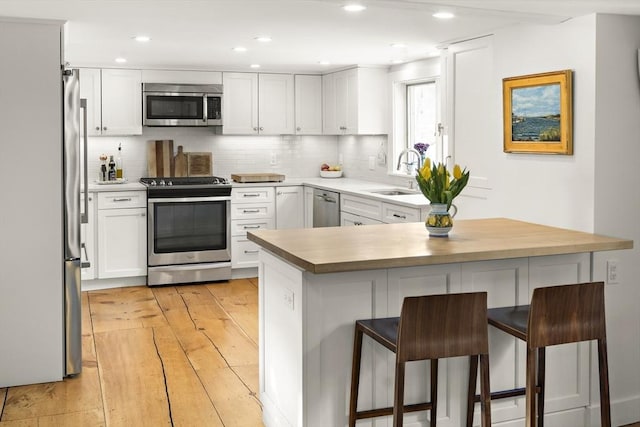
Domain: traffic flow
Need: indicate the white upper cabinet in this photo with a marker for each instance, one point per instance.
(114, 101)
(308, 103)
(355, 102)
(276, 104)
(258, 104)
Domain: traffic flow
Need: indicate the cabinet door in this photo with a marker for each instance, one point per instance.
(122, 242)
(121, 102)
(276, 104)
(329, 123)
(308, 207)
(289, 207)
(88, 239)
(90, 90)
(308, 101)
(240, 103)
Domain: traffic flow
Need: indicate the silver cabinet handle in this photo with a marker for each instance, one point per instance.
(250, 210)
(357, 223)
(84, 216)
(251, 227)
(126, 199)
(400, 216)
(143, 214)
(251, 252)
(251, 195)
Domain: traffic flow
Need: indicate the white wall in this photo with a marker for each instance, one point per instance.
(617, 194)
(596, 189)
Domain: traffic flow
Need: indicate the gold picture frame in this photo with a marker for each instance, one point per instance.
(538, 116)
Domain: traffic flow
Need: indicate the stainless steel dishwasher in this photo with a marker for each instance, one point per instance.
(326, 208)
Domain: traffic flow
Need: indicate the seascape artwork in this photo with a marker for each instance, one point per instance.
(535, 113)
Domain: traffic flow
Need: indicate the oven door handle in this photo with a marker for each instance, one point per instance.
(190, 199)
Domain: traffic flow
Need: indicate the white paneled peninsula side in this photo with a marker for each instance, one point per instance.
(314, 283)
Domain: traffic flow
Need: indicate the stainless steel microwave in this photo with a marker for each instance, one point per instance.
(181, 104)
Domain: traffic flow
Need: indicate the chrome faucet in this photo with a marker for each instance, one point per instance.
(406, 152)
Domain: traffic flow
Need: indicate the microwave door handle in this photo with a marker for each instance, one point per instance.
(204, 107)
(84, 216)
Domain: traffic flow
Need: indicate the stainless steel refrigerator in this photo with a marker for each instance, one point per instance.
(74, 215)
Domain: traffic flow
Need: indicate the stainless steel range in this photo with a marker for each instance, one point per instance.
(189, 229)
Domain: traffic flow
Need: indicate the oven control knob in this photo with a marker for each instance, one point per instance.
(161, 182)
(153, 183)
(169, 183)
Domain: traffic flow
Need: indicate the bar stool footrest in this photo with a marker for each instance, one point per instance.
(372, 413)
(504, 394)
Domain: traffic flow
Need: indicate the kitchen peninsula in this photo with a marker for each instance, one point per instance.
(314, 283)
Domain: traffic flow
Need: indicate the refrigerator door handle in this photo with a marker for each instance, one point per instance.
(84, 216)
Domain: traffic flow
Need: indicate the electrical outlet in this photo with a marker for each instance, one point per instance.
(288, 298)
(274, 159)
(372, 163)
(613, 273)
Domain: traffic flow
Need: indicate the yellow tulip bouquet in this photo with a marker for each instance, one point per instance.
(436, 184)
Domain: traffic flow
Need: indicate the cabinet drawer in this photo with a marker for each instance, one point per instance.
(122, 199)
(252, 211)
(395, 213)
(252, 195)
(244, 253)
(239, 227)
(347, 219)
(361, 206)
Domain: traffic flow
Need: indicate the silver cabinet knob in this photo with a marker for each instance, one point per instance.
(104, 128)
(298, 128)
(261, 128)
(97, 127)
(255, 129)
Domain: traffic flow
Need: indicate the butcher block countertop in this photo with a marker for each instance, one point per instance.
(339, 249)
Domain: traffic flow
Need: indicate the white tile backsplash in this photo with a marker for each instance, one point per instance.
(296, 156)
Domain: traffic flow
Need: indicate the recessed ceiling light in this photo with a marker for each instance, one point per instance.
(398, 45)
(443, 15)
(354, 7)
(142, 39)
(263, 39)
(255, 65)
(239, 49)
(324, 62)
(121, 60)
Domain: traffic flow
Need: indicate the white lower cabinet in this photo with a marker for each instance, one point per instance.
(348, 219)
(122, 234)
(88, 240)
(289, 207)
(252, 208)
(308, 207)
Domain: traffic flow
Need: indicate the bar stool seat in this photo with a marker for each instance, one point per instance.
(429, 328)
(557, 315)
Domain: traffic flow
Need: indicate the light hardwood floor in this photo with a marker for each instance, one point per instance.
(166, 356)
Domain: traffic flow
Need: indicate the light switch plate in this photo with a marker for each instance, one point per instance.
(372, 163)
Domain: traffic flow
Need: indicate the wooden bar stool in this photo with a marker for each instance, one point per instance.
(429, 327)
(557, 315)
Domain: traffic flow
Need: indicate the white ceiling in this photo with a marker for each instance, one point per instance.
(200, 34)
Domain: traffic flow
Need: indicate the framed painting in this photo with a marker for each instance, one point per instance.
(538, 115)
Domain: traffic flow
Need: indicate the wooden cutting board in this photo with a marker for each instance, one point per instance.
(199, 164)
(257, 177)
(180, 163)
(160, 158)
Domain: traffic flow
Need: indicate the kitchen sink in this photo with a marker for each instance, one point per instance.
(394, 192)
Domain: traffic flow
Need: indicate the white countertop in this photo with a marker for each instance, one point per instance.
(355, 187)
(351, 186)
(127, 186)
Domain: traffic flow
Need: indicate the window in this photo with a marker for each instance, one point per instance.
(418, 105)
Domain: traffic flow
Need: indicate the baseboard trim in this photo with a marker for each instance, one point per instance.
(623, 412)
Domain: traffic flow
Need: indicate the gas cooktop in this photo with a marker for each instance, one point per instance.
(183, 181)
